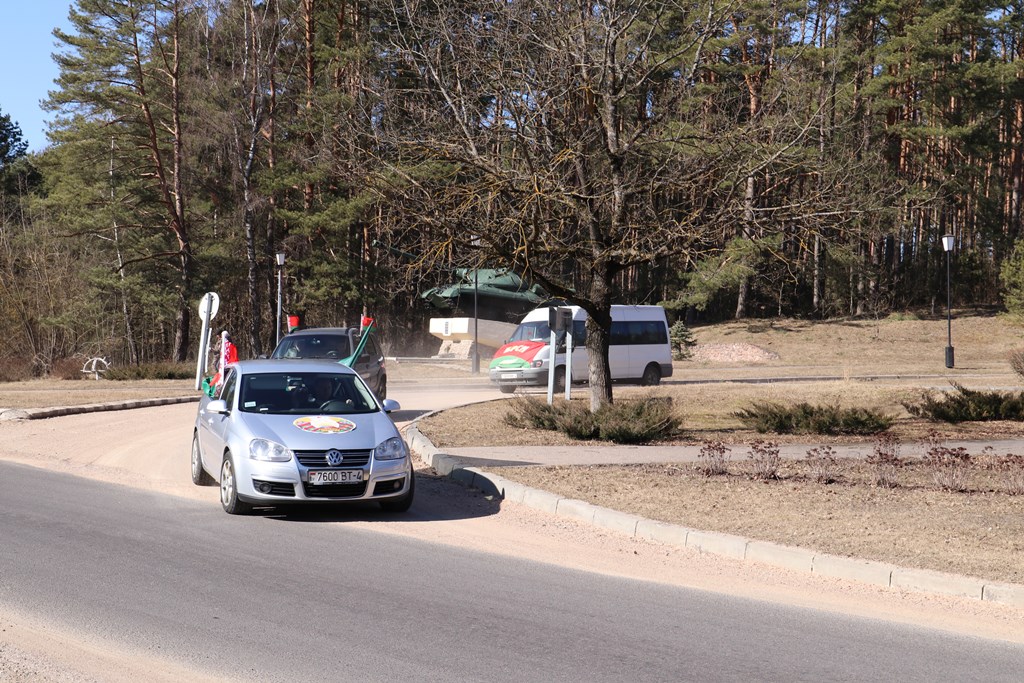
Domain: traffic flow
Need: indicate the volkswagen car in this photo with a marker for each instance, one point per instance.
(279, 432)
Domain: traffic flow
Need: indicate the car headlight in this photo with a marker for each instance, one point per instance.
(269, 451)
(392, 449)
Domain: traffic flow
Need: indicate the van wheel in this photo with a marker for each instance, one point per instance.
(652, 376)
(560, 379)
(507, 388)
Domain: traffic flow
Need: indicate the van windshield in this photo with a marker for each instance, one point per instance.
(537, 330)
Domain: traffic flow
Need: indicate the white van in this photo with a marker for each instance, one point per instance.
(639, 349)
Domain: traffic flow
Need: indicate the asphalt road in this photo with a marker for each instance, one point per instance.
(307, 598)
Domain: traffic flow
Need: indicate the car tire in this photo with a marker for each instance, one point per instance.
(652, 376)
(199, 475)
(229, 489)
(507, 389)
(405, 502)
(560, 379)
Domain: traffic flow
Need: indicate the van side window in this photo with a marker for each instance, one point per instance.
(620, 334)
(639, 332)
(579, 333)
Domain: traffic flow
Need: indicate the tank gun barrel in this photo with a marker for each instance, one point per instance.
(394, 250)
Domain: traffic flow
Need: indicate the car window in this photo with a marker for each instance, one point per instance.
(227, 388)
(370, 352)
(314, 346)
(305, 393)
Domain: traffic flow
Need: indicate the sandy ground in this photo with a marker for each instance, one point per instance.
(80, 445)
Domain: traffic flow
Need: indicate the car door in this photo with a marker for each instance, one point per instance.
(213, 426)
(369, 364)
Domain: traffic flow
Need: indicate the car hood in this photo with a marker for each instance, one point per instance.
(318, 432)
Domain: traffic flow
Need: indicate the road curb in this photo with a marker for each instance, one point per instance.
(726, 545)
(42, 413)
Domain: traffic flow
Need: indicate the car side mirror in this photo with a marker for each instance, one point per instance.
(390, 405)
(220, 407)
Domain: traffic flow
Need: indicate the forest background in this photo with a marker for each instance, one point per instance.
(727, 159)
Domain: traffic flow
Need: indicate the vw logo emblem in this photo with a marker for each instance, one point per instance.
(334, 457)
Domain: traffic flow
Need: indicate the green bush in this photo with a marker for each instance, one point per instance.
(577, 422)
(151, 371)
(1012, 275)
(633, 421)
(532, 412)
(638, 421)
(968, 405)
(682, 340)
(804, 418)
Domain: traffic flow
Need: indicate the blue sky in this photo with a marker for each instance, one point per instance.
(27, 69)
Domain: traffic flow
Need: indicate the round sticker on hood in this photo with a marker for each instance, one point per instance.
(324, 424)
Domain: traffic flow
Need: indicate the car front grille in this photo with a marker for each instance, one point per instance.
(319, 458)
(334, 490)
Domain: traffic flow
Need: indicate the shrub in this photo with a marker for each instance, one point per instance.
(949, 466)
(532, 412)
(968, 405)
(68, 368)
(1011, 273)
(15, 369)
(822, 464)
(713, 458)
(804, 418)
(885, 460)
(898, 316)
(634, 421)
(639, 420)
(151, 371)
(682, 340)
(577, 421)
(1011, 469)
(1017, 362)
(764, 459)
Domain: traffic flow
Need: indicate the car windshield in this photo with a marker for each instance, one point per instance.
(305, 393)
(313, 346)
(537, 330)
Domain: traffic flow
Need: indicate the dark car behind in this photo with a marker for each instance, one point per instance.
(338, 343)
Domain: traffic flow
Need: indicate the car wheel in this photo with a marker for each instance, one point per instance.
(199, 475)
(405, 502)
(507, 389)
(652, 376)
(229, 489)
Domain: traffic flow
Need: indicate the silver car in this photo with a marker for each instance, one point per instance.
(299, 431)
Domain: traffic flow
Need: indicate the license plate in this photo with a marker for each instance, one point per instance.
(335, 476)
(509, 375)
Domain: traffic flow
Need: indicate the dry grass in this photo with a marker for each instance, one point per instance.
(48, 393)
(977, 532)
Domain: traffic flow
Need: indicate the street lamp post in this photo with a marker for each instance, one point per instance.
(947, 246)
(279, 259)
